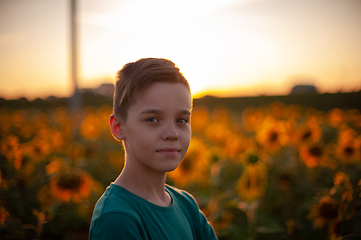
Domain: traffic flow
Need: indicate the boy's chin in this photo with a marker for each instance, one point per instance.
(172, 168)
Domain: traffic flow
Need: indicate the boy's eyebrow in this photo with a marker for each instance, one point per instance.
(157, 111)
(185, 112)
(150, 110)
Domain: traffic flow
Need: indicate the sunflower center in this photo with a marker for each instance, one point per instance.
(8, 148)
(69, 181)
(273, 137)
(37, 151)
(284, 178)
(349, 151)
(253, 158)
(284, 181)
(186, 163)
(328, 211)
(306, 135)
(316, 151)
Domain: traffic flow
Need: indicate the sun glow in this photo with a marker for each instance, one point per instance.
(160, 33)
(197, 47)
(230, 47)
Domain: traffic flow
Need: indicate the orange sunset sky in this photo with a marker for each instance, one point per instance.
(224, 48)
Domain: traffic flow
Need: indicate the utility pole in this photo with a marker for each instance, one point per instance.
(75, 99)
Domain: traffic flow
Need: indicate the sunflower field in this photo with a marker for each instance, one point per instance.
(280, 171)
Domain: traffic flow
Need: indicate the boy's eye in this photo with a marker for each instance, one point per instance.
(182, 120)
(152, 120)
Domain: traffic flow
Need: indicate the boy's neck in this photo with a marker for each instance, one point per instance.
(147, 185)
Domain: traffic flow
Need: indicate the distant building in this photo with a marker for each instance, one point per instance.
(106, 89)
(304, 89)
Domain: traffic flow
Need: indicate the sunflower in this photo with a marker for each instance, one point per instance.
(218, 133)
(76, 151)
(349, 151)
(3, 215)
(45, 197)
(90, 127)
(276, 109)
(290, 223)
(4, 184)
(194, 166)
(354, 117)
(221, 114)
(308, 133)
(219, 219)
(222, 221)
(68, 183)
(253, 181)
(103, 113)
(57, 139)
(27, 169)
(26, 131)
(116, 159)
(5, 122)
(292, 111)
(272, 134)
(10, 149)
(200, 119)
(284, 180)
(315, 155)
(61, 115)
(348, 147)
(326, 211)
(313, 114)
(252, 156)
(53, 138)
(74, 184)
(335, 236)
(336, 117)
(63, 119)
(342, 186)
(252, 118)
(235, 145)
(40, 120)
(17, 118)
(37, 149)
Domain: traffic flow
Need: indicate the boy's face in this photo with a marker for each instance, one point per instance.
(157, 131)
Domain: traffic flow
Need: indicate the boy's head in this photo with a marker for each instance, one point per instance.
(134, 78)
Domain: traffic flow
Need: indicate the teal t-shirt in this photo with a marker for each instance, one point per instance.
(120, 214)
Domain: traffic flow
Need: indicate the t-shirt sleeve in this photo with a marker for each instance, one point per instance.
(116, 226)
(207, 229)
(208, 232)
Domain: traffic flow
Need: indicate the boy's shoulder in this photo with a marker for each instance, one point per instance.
(179, 192)
(115, 200)
(119, 210)
(182, 197)
(118, 200)
(115, 206)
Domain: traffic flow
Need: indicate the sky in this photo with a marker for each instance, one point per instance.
(224, 48)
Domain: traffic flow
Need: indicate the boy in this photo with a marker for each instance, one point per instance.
(151, 116)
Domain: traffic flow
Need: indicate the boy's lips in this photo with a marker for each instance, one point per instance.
(168, 151)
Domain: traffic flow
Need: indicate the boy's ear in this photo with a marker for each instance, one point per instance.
(116, 128)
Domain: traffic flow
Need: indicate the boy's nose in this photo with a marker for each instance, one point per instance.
(170, 132)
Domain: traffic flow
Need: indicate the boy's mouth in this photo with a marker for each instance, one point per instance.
(169, 151)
